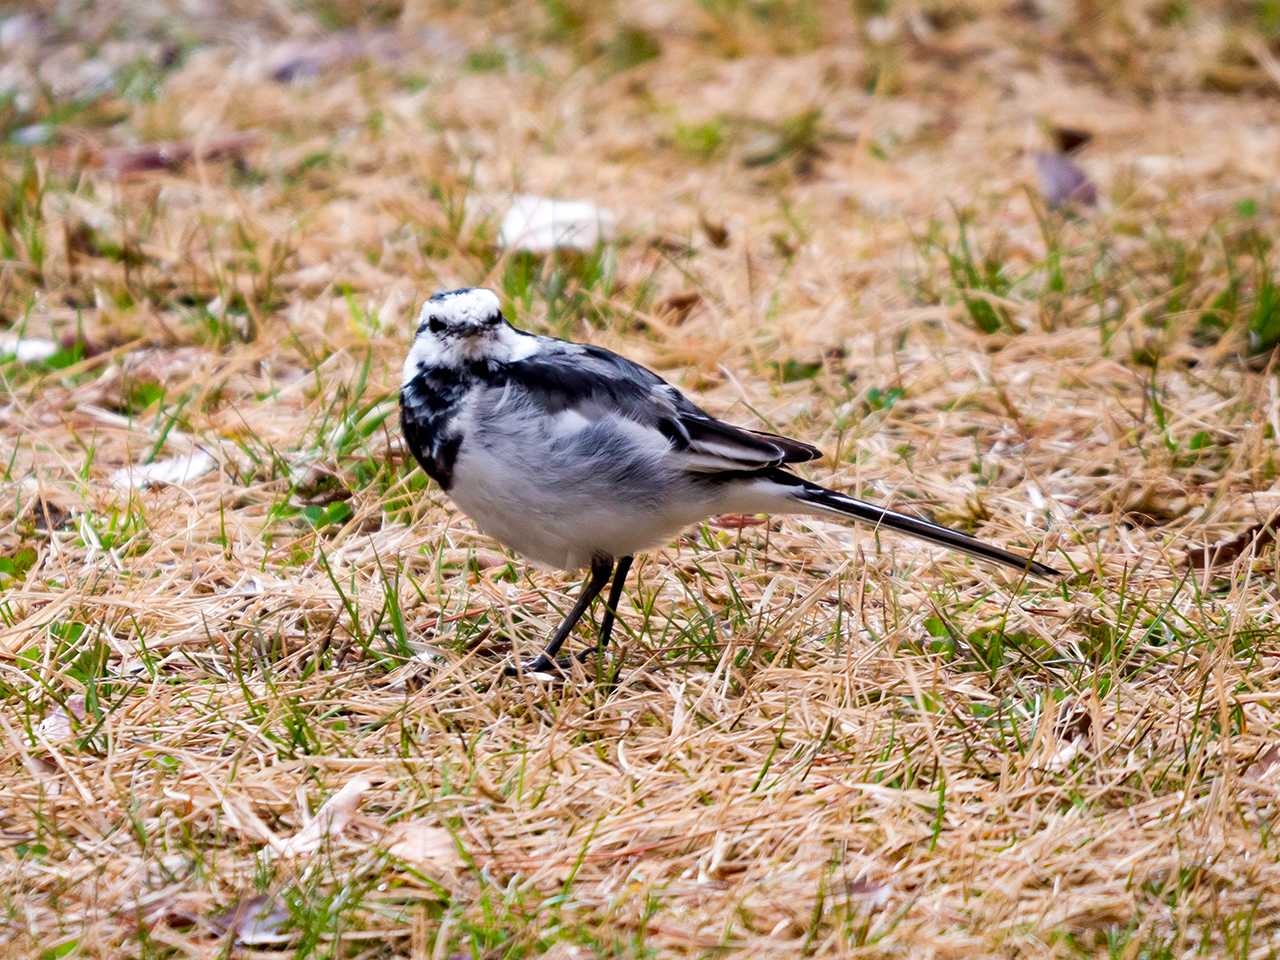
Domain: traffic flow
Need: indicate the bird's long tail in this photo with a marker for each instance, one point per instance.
(811, 497)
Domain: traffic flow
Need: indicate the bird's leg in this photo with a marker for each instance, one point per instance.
(611, 607)
(601, 568)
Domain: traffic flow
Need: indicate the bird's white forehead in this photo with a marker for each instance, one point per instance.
(461, 306)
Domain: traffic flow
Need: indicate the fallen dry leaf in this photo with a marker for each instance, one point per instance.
(1154, 502)
(330, 820)
(124, 161)
(1062, 182)
(717, 233)
(1265, 764)
(1069, 139)
(870, 892)
(425, 845)
(175, 471)
(1065, 751)
(304, 59)
(296, 60)
(239, 817)
(256, 921)
(426, 658)
(677, 307)
(58, 724)
(1254, 538)
(736, 521)
(1072, 736)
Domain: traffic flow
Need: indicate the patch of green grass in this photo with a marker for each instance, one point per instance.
(792, 370)
(121, 531)
(566, 288)
(701, 140)
(333, 514)
(630, 47)
(975, 274)
(15, 565)
(878, 399)
(22, 218)
(140, 396)
(791, 26)
(797, 137)
(140, 80)
(565, 20)
(486, 60)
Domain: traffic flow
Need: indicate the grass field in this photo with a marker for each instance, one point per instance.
(251, 691)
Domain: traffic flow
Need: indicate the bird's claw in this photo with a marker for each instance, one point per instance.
(541, 666)
(548, 668)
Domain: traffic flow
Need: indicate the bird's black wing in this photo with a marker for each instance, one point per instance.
(595, 383)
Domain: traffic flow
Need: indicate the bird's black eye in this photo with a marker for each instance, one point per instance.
(435, 325)
(493, 319)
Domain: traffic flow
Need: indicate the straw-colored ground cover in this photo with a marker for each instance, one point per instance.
(813, 740)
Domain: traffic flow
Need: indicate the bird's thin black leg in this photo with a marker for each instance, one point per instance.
(600, 570)
(611, 610)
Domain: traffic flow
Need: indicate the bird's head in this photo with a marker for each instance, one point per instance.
(460, 316)
(461, 326)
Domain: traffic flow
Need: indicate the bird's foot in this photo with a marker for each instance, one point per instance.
(542, 667)
(555, 669)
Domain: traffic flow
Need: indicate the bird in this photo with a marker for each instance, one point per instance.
(575, 457)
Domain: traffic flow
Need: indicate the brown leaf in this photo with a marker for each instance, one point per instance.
(304, 59)
(1265, 764)
(1070, 139)
(675, 246)
(717, 233)
(1062, 182)
(1071, 735)
(1255, 538)
(426, 659)
(169, 913)
(125, 161)
(255, 921)
(330, 820)
(678, 306)
(1154, 503)
(164, 365)
(869, 891)
(239, 816)
(58, 724)
(172, 471)
(423, 844)
(736, 521)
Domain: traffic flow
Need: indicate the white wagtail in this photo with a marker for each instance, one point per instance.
(576, 457)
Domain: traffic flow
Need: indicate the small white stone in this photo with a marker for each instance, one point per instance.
(539, 225)
(27, 349)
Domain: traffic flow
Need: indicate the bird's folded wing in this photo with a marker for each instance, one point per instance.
(595, 383)
(715, 446)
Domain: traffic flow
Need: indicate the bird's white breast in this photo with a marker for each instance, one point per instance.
(563, 489)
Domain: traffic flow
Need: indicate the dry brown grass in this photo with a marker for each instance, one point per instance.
(819, 742)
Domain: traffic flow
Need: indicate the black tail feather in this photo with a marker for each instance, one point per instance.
(829, 500)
